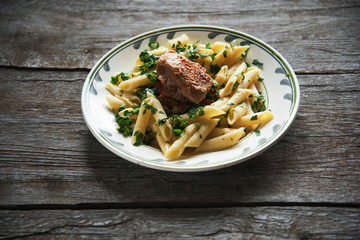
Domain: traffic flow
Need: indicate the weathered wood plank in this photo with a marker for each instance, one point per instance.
(204, 223)
(315, 36)
(48, 156)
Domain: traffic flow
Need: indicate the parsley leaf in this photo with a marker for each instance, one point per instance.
(194, 112)
(153, 44)
(214, 68)
(257, 63)
(253, 118)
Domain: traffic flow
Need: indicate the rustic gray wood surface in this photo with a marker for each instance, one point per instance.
(57, 181)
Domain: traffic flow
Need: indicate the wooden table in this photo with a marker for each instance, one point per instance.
(57, 181)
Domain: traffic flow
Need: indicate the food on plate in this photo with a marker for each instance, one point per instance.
(183, 80)
(191, 98)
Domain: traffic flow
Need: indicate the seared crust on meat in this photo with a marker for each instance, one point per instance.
(183, 79)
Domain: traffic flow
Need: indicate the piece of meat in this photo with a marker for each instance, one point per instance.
(183, 79)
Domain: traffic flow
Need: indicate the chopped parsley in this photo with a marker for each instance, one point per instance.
(125, 125)
(178, 47)
(150, 76)
(161, 121)
(258, 105)
(114, 79)
(257, 132)
(178, 126)
(208, 45)
(213, 94)
(214, 68)
(220, 120)
(236, 84)
(149, 61)
(153, 44)
(225, 53)
(123, 76)
(253, 118)
(257, 63)
(141, 92)
(139, 138)
(148, 106)
(244, 54)
(146, 139)
(194, 112)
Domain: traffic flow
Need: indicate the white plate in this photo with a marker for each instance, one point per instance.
(281, 92)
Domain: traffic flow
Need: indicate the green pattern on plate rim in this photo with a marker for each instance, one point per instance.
(104, 66)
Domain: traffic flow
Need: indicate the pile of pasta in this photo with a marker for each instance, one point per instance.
(239, 111)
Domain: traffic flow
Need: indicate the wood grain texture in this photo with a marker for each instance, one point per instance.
(205, 223)
(48, 156)
(314, 36)
(58, 182)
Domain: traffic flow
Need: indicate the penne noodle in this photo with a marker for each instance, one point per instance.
(163, 144)
(235, 113)
(221, 142)
(233, 81)
(222, 75)
(218, 46)
(209, 112)
(114, 102)
(204, 128)
(249, 77)
(129, 113)
(238, 97)
(161, 120)
(254, 119)
(128, 85)
(178, 147)
(183, 39)
(220, 102)
(235, 55)
(113, 89)
(219, 131)
(141, 124)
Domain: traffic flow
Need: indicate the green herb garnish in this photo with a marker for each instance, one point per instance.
(153, 44)
(257, 63)
(253, 118)
(193, 112)
(214, 68)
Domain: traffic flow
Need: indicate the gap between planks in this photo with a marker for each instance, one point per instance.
(168, 205)
(325, 72)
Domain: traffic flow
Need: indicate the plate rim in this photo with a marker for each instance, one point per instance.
(197, 168)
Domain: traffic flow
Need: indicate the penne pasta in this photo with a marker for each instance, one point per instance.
(178, 147)
(141, 124)
(234, 81)
(235, 113)
(182, 39)
(203, 130)
(153, 113)
(128, 85)
(238, 97)
(254, 119)
(222, 75)
(114, 102)
(207, 113)
(163, 144)
(221, 142)
(219, 131)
